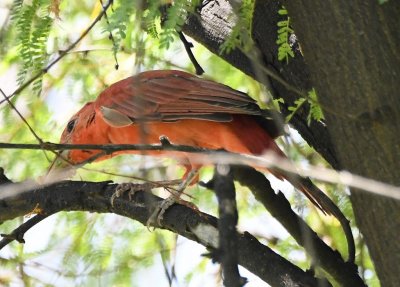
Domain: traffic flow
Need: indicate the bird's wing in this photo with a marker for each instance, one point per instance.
(168, 95)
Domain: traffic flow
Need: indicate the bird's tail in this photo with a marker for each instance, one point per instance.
(261, 140)
(327, 206)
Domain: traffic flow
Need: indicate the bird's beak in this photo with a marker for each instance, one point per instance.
(60, 168)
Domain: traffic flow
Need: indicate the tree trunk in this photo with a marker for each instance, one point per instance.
(352, 49)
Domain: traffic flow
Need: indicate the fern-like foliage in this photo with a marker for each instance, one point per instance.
(315, 112)
(240, 36)
(176, 15)
(118, 22)
(152, 18)
(297, 105)
(284, 50)
(33, 26)
(163, 19)
(15, 7)
(315, 109)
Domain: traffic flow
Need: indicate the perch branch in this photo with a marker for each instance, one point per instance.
(199, 227)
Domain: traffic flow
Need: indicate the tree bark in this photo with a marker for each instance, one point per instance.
(352, 49)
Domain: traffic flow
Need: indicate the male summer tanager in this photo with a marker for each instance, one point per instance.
(188, 111)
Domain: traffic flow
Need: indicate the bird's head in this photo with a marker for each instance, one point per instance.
(77, 131)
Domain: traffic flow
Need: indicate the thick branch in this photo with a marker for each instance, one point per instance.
(224, 188)
(322, 255)
(199, 227)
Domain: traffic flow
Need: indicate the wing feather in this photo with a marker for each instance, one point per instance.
(173, 95)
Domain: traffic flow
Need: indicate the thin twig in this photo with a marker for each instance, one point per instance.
(62, 53)
(107, 147)
(188, 47)
(39, 139)
(19, 232)
(22, 117)
(268, 160)
(111, 37)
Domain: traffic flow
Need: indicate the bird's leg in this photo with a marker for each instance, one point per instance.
(158, 213)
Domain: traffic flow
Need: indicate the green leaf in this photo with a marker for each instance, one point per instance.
(240, 36)
(297, 104)
(282, 11)
(284, 49)
(315, 109)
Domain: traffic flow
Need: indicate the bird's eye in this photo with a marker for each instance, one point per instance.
(71, 125)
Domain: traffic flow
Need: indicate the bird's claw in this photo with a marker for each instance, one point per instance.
(123, 188)
(158, 214)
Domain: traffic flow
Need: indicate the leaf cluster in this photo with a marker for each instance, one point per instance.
(315, 112)
(284, 49)
(240, 36)
(162, 19)
(117, 24)
(33, 24)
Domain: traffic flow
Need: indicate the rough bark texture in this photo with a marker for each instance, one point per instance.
(352, 49)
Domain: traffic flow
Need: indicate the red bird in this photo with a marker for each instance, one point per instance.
(188, 111)
(182, 107)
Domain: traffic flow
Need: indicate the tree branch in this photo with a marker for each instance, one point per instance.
(322, 255)
(227, 253)
(199, 227)
(19, 232)
(269, 161)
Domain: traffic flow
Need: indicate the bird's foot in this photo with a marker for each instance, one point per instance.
(158, 214)
(131, 188)
(123, 188)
